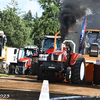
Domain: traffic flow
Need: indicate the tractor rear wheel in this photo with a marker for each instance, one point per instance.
(78, 71)
(49, 75)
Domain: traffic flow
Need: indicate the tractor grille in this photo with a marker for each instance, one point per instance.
(55, 57)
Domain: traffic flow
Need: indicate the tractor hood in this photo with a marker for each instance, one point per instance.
(24, 59)
(50, 50)
(58, 55)
(58, 52)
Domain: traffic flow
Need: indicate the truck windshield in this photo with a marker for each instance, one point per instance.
(27, 53)
(49, 43)
(93, 37)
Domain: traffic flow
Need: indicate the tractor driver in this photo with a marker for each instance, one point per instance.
(68, 47)
(97, 40)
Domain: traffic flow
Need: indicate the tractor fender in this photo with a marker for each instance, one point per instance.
(73, 58)
(28, 63)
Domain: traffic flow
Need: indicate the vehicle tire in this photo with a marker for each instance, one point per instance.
(2, 69)
(49, 75)
(68, 74)
(34, 66)
(40, 73)
(7, 69)
(17, 70)
(34, 69)
(11, 69)
(78, 71)
(29, 70)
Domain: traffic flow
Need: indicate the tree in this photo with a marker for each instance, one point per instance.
(15, 30)
(14, 5)
(48, 23)
(28, 16)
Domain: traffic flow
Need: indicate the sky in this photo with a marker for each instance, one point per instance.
(24, 5)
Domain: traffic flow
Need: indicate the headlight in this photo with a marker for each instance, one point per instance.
(43, 56)
(60, 57)
(51, 56)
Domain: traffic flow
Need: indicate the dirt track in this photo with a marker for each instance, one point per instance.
(28, 88)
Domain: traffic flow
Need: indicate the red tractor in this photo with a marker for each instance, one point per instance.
(46, 46)
(24, 62)
(64, 64)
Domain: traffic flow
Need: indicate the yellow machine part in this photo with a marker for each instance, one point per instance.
(89, 72)
(5, 58)
(90, 63)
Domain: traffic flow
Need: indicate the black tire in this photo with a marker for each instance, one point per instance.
(1, 67)
(11, 69)
(49, 75)
(17, 70)
(29, 70)
(78, 71)
(34, 69)
(40, 73)
(34, 66)
(68, 74)
(7, 69)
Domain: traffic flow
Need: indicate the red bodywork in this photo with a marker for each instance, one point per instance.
(26, 59)
(73, 59)
(50, 50)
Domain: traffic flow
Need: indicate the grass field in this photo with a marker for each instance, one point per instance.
(3, 74)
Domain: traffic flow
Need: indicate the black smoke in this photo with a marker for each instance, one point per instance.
(71, 11)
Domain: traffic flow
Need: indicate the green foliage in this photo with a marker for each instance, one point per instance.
(14, 5)
(16, 32)
(48, 22)
(24, 31)
(28, 16)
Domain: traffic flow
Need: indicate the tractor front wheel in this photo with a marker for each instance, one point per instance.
(50, 75)
(11, 69)
(78, 71)
(40, 73)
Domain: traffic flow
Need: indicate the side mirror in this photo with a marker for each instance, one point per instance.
(15, 51)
